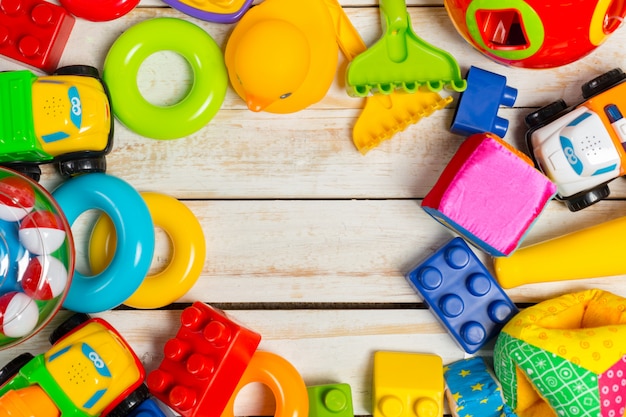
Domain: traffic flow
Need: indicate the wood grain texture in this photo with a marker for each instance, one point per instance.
(308, 241)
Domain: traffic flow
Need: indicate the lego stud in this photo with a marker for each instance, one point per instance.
(192, 318)
(427, 407)
(390, 406)
(499, 311)
(176, 349)
(430, 278)
(451, 305)
(473, 333)
(478, 284)
(456, 257)
(335, 400)
(29, 46)
(217, 333)
(159, 381)
(182, 398)
(42, 15)
(11, 6)
(200, 366)
(4, 34)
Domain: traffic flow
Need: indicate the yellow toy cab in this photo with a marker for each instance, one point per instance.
(63, 118)
(581, 148)
(90, 371)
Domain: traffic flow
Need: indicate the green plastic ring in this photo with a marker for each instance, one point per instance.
(196, 109)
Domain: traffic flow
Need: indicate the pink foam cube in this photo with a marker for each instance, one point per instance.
(490, 194)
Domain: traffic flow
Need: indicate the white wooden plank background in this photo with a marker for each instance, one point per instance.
(308, 240)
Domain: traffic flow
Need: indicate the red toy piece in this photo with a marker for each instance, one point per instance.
(536, 33)
(203, 363)
(99, 11)
(34, 32)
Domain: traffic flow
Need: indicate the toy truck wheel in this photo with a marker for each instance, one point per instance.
(603, 82)
(545, 113)
(31, 171)
(67, 326)
(73, 167)
(586, 198)
(85, 70)
(13, 367)
(131, 401)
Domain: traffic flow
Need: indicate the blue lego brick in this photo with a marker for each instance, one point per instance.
(462, 294)
(148, 408)
(477, 108)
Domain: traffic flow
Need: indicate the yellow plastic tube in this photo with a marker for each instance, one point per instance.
(593, 252)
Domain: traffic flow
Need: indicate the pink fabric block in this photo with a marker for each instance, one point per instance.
(489, 194)
(612, 387)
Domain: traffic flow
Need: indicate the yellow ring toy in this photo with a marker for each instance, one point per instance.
(282, 378)
(188, 251)
(565, 357)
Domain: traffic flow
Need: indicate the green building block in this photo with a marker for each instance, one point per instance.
(331, 400)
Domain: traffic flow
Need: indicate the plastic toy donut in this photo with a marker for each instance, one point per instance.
(188, 251)
(203, 55)
(283, 380)
(135, 240)
(99, 11)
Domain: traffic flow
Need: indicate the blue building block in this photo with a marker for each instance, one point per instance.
(477, 109)
(148, 408)
(462, 294)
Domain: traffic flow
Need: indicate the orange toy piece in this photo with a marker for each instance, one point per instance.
(282, 55)
(283, 380)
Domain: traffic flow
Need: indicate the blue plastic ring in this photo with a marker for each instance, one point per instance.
(135, 240)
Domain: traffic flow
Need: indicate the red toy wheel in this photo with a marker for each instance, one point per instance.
(99, 11)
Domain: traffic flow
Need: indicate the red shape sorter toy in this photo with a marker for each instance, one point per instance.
(203, 363)
(34, 32)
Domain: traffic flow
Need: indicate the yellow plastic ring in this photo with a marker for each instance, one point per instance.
(282, 378)
(188, 251)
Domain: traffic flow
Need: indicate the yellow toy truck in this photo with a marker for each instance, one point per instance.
(90, 371)
(63, 118)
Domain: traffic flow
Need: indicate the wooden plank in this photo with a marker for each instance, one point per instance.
(343, 251)
(329, 346)
(314, 158)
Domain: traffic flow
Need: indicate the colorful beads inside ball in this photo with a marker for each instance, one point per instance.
(45, 278)
(42, 232)
(19, 314)
(17, 198)
(36, 257)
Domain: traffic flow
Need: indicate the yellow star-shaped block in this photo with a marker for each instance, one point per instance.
(477, 387)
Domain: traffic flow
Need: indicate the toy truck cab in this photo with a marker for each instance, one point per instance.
(89, 371)
(63, 118)
(580, 148)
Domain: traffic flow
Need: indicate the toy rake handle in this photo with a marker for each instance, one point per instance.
(594, 252)
(397, 26)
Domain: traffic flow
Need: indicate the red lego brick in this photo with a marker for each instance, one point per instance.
(34, 32)
(203, 363)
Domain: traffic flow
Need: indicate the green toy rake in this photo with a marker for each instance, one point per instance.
(401, 60)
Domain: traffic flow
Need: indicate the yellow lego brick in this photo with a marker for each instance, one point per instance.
(407, 385)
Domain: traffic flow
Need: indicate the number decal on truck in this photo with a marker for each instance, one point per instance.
(97, 361)
(76, 109)
(570, 155)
